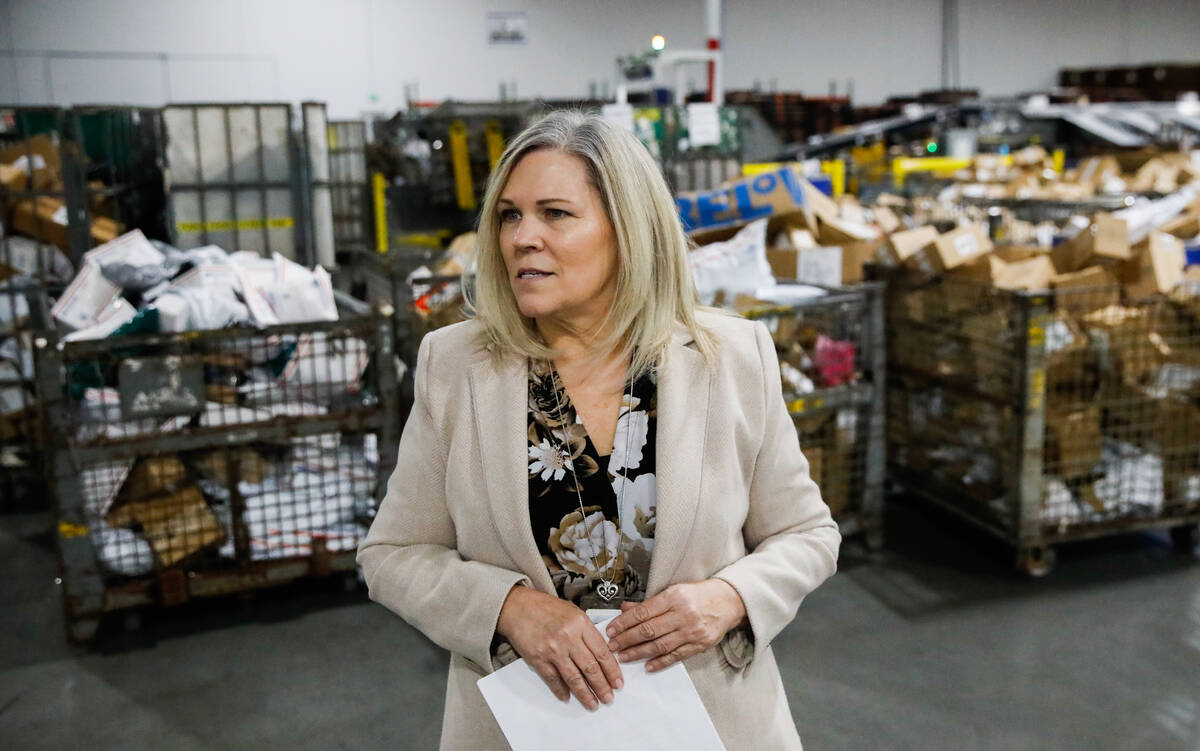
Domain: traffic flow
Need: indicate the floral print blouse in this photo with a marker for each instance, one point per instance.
(582, 551)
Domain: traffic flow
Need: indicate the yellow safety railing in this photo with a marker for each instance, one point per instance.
(902, 167)
(461, 160)
(835, 168)
(378, 185)
(495, 142)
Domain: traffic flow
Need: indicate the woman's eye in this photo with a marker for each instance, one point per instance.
(556, 213)
(510, 215)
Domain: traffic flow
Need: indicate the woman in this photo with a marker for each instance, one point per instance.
(592, 439)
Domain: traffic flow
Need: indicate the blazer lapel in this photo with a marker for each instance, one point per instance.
(684, 384)
(500, 404)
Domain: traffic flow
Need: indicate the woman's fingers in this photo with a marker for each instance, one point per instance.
(608, 662)
(573, 676)
(553, 680)
(645, 633)
(679, 654)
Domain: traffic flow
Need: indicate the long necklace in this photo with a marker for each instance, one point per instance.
(607, 588)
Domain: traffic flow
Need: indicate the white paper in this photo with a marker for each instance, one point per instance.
(117, 314)
(820, 266)
(653, 712)
(131, 248)
(704, 124)
(620, 115)
(88, 295)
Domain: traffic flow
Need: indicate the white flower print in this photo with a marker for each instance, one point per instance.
(548, 460)
(639, 504)
(633, 428)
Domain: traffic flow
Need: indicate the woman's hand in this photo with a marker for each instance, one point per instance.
(559, 641)
(680, 621)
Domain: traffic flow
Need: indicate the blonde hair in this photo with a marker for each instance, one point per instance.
(654, 287)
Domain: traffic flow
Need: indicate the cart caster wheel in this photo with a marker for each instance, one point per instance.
(874, 539)
(83, 630)
(1186, 538)
(1036, 562)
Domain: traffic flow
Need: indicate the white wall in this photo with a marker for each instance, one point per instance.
(1009, 46)
(357, 55)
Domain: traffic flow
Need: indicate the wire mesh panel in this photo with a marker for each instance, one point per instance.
(34, 252)
(235, 178)
(1044, 417)
(831, 359)
(216, 461)
(351, 188)
(72, 179)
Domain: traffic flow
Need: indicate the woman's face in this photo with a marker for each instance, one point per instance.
(559, 247)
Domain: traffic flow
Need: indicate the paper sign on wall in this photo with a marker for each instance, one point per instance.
(620, 115)
(704, 124)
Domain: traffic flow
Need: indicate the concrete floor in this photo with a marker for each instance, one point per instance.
(929, 645)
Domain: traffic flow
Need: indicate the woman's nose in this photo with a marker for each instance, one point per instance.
(527, 234)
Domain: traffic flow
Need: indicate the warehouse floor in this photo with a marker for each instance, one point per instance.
(929, 645)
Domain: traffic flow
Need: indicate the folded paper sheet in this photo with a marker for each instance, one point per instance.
(653, 712)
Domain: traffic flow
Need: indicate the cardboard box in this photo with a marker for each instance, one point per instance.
(45, 219)
(1033, 274)
(1157, 268)
(886, 219)
(839, 231)
(216, 464)
(151, 476)
(958, 247)
(1091, 288)
(1016, 253)
(901, 247)
(821, 266)
(1107, 239)
(39, 158)
(176, 525)
(1185, 226)
(1121, 337)
(1073, 441)
(742, 201)
(987, 269)
(855, 256)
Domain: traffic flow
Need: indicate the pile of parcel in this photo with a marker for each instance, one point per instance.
(1051, 389)
(33, 238)
(773, 247)
(212, 410)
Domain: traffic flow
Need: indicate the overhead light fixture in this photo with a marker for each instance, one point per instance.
(658, 42)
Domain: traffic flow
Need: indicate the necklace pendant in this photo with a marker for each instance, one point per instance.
(606, 597)
(607, 590)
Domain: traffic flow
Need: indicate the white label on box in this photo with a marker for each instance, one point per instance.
(967, 245)
(704, 124)
(22, 163)
(620, 115)
(1045, 235)
(59, 216)
(821, 266)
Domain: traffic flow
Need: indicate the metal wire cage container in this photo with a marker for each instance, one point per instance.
(832, 360)
(189, 465)
(1045, 417)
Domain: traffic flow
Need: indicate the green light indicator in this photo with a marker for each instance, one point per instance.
(931, 147)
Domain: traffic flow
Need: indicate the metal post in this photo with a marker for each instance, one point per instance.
(873, 489)
(1029, 436)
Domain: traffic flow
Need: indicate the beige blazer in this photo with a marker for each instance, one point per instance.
(735, 501)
